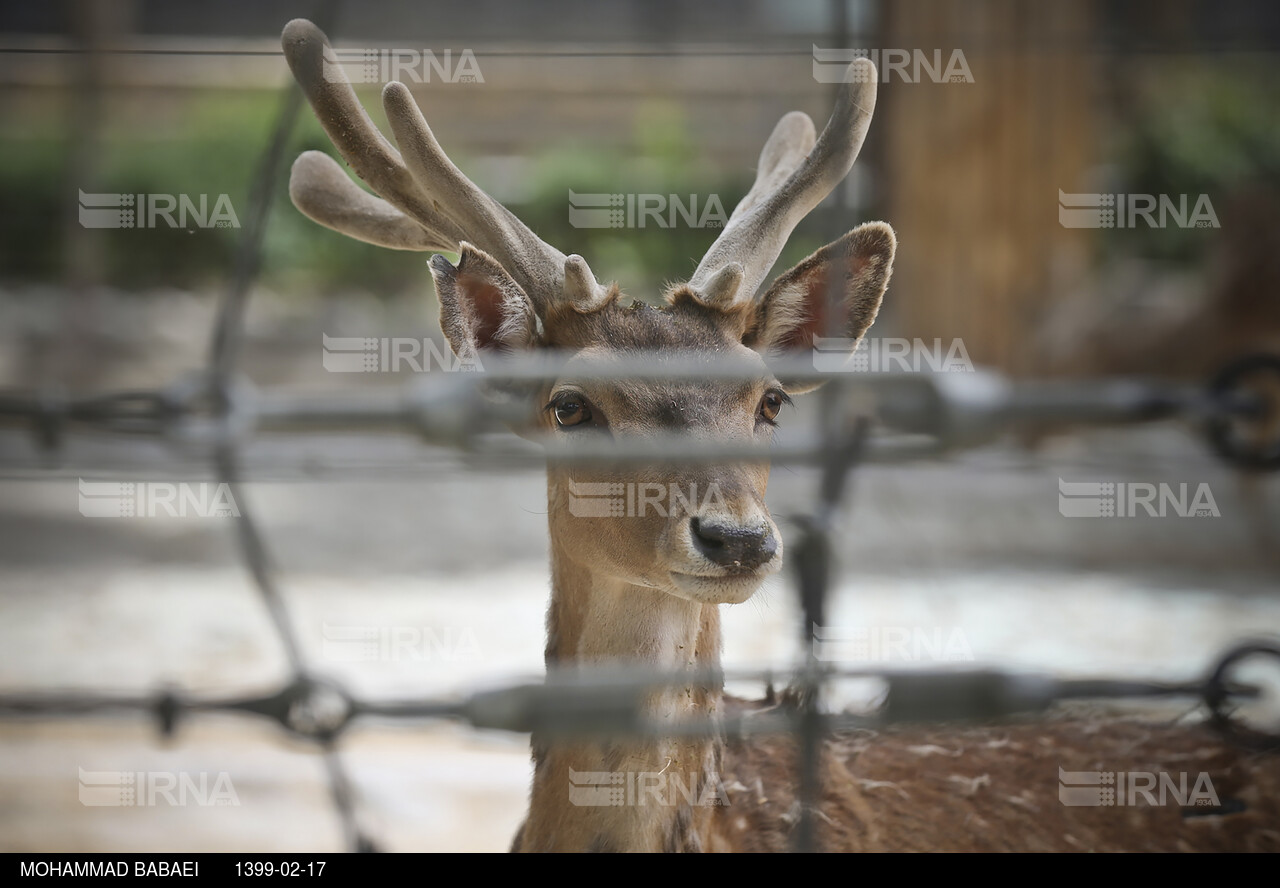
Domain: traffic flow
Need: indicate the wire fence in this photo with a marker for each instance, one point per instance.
(465, 409)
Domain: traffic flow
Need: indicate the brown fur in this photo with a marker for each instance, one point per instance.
(995, 788)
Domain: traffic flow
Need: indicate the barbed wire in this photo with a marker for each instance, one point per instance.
(608, 700)
(919, 414)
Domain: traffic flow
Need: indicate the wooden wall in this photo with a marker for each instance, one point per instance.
(971, 171)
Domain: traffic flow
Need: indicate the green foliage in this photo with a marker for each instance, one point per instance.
(214, 143)
(211, 145)
(1198, 131)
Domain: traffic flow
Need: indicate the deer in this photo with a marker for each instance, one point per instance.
(646, 592)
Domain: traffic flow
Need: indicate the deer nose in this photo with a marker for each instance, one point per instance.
(733, 546)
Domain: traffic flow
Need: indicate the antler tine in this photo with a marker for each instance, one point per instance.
(325, 194)
(356, 138)
(421, 188)
(788, 145)
(793, 177)
(539, 268)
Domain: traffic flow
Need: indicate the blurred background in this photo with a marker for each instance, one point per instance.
(1051, 103)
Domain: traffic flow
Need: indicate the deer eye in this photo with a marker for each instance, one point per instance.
(771, 404)
(570, 410)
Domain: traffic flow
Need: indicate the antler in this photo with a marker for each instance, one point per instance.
(793, 177)
(425, 203)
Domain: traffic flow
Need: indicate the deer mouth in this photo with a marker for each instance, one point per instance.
(732, 588)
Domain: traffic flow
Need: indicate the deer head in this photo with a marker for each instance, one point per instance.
(708, 536)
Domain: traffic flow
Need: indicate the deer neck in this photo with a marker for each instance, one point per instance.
(669, 785)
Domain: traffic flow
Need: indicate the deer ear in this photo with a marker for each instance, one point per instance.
(800, 307)
(481, 307)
